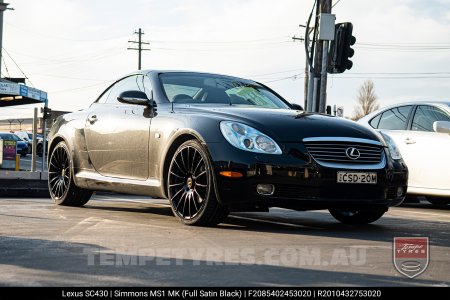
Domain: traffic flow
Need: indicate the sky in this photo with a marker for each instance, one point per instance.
(73, 49)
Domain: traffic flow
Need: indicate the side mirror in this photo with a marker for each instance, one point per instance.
(296, 106)
(133, 97)
(441, 126)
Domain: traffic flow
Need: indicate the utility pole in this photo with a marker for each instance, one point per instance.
(139, 48)
(3, 7)
(320, 64)
(294, 38)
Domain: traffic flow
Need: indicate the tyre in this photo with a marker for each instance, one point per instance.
(439, 201)
(191, 188)
(61, 185)
(355, 216)
(23, 154)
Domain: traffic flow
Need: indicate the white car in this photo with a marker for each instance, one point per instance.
(421, 131)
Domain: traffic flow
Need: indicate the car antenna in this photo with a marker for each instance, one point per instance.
(172, 106)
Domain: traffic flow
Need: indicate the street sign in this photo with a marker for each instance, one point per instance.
(7, 154)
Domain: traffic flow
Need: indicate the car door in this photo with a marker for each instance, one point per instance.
(425, 151)
(117, 134)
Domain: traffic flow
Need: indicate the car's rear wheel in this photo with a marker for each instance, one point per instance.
(191, 188)
(356, 216)
(60, 179)
(439, 201)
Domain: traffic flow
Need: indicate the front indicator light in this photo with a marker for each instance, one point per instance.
(231, 174)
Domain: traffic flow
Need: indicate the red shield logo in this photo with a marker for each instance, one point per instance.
(411, 255)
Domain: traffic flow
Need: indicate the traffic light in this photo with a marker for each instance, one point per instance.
(46, 113)
(340, 49)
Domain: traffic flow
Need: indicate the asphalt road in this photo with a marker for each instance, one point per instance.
(131, 241)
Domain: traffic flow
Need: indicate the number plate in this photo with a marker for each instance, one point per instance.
(356, 177)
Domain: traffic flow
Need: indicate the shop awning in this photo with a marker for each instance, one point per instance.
(19, 94)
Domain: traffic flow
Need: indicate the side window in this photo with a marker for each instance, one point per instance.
(126, 84)
(105, 95)
(425, 116)
(395, 118)
(374, 122)
(144, 85)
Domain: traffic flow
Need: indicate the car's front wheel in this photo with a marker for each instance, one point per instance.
(191, 188)
(439, 201)
(356, 216)
(60, 179)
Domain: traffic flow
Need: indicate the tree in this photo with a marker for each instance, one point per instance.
(367, 100)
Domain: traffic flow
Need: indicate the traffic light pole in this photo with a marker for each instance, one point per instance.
(323, 79)
(320, 63)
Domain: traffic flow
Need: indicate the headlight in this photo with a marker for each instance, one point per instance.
(247, 138)
(393, 149)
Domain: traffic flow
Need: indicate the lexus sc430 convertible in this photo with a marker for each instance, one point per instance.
(213, 144)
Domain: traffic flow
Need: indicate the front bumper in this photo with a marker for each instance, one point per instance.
(300, 182)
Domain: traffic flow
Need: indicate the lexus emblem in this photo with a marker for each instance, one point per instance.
(352, 153)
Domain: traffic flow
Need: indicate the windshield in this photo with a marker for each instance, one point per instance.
(215, 89)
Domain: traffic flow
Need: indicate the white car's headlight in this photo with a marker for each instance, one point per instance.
(247, 138)
(393, 149)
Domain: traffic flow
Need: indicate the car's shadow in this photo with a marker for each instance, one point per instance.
(313, 223)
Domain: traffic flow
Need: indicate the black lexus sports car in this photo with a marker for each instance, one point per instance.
(214, 144)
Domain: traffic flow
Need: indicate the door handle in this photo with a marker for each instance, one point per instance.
(92, 119)
(410, 141)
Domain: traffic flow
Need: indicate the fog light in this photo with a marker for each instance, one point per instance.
(399, 192)
(265, 189)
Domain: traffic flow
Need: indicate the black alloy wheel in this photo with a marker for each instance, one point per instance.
(191, 188)
(61, 186)
(356, 216)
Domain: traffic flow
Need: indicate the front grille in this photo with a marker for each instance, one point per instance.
(335, 152)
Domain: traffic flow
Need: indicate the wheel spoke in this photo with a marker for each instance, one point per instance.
(184, 203)
(189, 203)
(176, 184)
(179, 168)
(198, 164)
(201, 174)
(198, 195)
(188, 165)
(193, 161)
(193, 200)
(182, 160)
(176, 175)
(173, 197)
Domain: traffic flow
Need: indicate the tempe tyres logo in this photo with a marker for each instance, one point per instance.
(411, 255)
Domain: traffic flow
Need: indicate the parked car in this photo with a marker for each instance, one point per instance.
(422, 132)
(28, 137)
(21, 146)
(212, 144)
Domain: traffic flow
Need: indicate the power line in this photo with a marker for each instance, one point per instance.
(7, 71)
(336, 3)
(18, 66)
